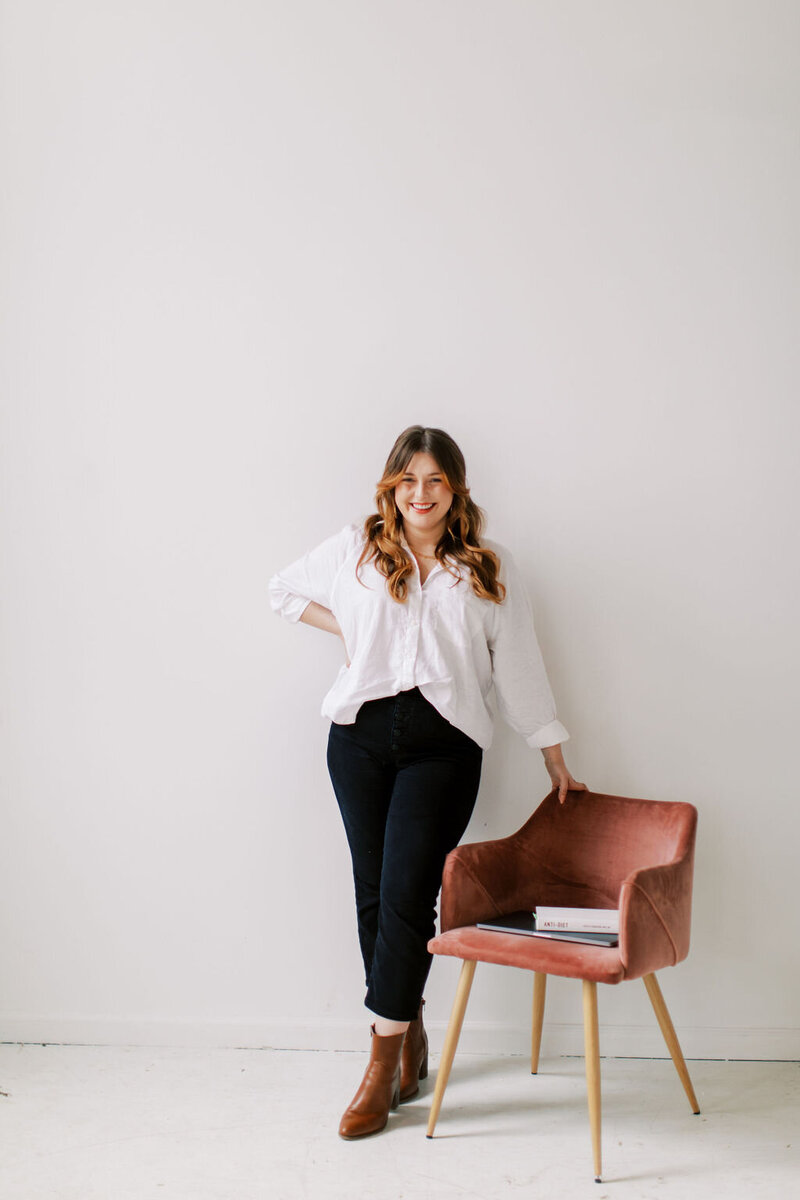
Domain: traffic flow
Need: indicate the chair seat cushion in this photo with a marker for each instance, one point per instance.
(600, 964)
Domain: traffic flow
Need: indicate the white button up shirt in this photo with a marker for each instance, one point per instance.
(444, 640)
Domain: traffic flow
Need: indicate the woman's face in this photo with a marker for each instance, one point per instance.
(423, 497)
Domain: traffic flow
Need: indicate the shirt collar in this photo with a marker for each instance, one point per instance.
(436, 566)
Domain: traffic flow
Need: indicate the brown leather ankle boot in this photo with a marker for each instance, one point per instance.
(414, 1059)
(380, 1088)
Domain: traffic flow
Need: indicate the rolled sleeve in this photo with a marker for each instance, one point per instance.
(284, 601)
(312, 577)
(549, 735)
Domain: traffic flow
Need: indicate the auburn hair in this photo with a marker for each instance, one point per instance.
(461, 538)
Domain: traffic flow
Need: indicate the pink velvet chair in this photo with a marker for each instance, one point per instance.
(593, 851)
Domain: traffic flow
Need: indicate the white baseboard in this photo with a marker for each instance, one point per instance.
(478, 1037)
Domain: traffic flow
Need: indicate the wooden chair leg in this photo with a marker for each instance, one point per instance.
(539, 990)
(451, 1040)
(592, 1044)
(670, 1037)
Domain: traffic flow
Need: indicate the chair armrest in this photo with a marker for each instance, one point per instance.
(487, 879)
(655, 907)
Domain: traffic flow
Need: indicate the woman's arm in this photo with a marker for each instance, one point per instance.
(521, 684)
(524, 697)
(311, 579)
(322, 618)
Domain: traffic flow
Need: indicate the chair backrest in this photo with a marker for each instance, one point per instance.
(581, 852)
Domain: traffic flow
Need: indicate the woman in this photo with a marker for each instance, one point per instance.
(431, 617)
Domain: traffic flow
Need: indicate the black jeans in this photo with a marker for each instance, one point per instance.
(406, 781)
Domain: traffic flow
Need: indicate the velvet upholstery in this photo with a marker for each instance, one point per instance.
(594, 851)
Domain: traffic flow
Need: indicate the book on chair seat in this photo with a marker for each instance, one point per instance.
(577, 920)
(525, 923)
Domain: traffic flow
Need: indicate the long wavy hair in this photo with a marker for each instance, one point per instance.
(461, 540)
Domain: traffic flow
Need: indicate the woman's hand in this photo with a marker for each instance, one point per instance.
(559, 773)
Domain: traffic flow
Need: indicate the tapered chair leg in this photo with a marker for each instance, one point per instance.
(451, 1040)
(539, 990)
(591, 1039)
(670, 1037)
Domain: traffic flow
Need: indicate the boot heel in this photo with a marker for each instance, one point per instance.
(395, 1100)
(414, 1061)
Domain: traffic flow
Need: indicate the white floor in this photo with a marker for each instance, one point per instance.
(103, 1123)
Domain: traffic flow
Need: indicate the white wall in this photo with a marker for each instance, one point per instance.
(246, 244)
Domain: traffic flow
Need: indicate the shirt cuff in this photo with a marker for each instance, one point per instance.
(293, 608)
(548, 735)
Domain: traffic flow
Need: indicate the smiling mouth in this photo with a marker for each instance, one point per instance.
(422, 508)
